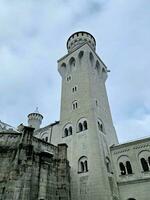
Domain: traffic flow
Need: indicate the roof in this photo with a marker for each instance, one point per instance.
(7, 128)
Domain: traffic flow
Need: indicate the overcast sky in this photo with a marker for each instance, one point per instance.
(33, 35)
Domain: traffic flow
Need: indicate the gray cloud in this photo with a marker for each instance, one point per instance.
(33, 36)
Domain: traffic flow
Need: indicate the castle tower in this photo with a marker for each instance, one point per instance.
(35, 119)
(85, 119)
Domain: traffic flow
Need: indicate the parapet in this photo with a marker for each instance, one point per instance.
(77, 39)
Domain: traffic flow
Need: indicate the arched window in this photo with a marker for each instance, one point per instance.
(80, 55)
(144, 165)
(91, 58)
(80, 127)
(74, 105)
(129, 168)
(70, 130)
(83, 165)
(72, 62)
(85, 125)
(122, 168)
(66, 132)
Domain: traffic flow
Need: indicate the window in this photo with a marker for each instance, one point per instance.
(129, 168)
(74, 89)
(72, 62)
(125, 165)
(144, 159)
(91, 58)
(67, 131)
(85, 125)
(68, 78)
(46, 139)
(122, 168)
(97, 66)
(83, 165)
(80, 55)
(74, 105)
(70, 130)
(82, 125)
(100, 125)
(144, 164)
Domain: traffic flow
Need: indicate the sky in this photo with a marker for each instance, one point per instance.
(33, 35)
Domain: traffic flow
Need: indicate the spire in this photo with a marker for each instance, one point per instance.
(36, 110)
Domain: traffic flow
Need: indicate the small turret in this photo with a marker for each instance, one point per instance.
(35, 119)
(78, 39)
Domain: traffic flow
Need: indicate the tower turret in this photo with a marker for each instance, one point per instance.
(35, 119)
(77, 39)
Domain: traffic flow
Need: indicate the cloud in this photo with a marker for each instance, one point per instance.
(33, 36)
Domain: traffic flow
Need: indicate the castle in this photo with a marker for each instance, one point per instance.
(77, 157)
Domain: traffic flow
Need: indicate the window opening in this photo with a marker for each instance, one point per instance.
(129, 168)
(85, 125)
(66, 132)
(144, 165)
(122, 168)
(86, 165)
(83, 165)
(70, 130)
(80, 127)
(46, 139)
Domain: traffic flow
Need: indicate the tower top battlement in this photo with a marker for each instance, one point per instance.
(79, 38)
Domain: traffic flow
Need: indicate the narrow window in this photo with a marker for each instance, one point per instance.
(100, 126)
(46, 139)
(70, 130)
(80, 127)
(122, 168)
(129, 168)
(149, 160)
(74, 105)
(82, 166)
(66, 132)
(144, 165)
(85, 125)
(86, 166)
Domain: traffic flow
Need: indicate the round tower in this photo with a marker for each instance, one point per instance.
(35, 119)
(79, 38)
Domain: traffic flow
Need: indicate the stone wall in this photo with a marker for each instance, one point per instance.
(32, 169)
